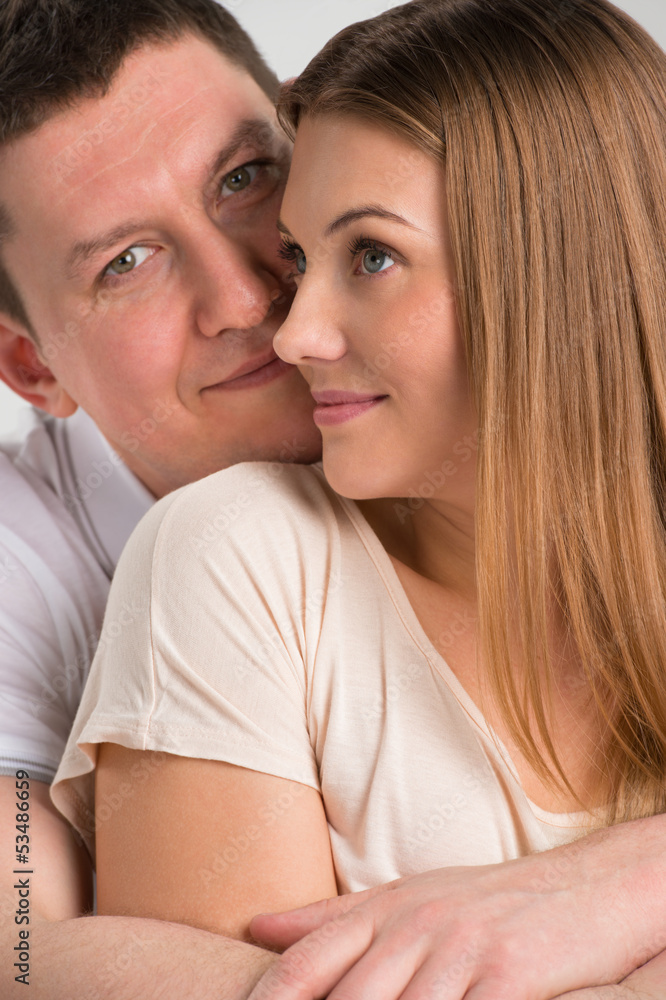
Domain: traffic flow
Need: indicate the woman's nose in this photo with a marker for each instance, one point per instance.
(313, 329)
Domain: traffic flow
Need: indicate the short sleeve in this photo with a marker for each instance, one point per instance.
(47, 634)
(214, 615)
(41, 666)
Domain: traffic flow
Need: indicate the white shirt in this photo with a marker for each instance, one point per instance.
(275, 635)
(67, 506)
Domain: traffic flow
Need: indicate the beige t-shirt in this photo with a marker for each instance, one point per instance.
(276, 636)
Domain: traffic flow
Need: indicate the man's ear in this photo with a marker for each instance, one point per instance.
(24, 371)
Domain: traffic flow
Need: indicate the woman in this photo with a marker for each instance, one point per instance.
(463, 662)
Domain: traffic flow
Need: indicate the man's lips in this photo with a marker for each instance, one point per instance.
(258, 371)
(336, 406)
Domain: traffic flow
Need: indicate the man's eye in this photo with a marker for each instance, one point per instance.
(238, 179)
(128, 260)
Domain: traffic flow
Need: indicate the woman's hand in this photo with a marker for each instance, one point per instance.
(529, 929)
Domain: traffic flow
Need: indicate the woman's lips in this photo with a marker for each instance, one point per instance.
(337, 407)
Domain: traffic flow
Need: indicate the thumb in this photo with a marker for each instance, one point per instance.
(281, 930)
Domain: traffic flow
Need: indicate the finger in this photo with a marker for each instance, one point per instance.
(602, 993)
(385, 971)
(280, 930)
(311, 968)
(489, 990)
(447, 980)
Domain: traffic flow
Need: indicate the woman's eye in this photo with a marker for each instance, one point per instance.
(238, 179)
(301, 262)
(292, 253)
(129, 260)
(374, 261)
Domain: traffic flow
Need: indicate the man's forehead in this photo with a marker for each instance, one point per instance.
(160, 92)
(182, 106)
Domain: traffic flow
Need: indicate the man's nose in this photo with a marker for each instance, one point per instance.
(233, 289)
(314, 328)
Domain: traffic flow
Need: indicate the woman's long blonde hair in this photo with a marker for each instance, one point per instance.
(549, 117)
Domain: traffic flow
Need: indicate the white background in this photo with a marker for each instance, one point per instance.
(290, 32)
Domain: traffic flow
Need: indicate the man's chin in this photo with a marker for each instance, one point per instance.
(294, 441)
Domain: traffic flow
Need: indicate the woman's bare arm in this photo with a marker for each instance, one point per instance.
(206, 843)
(91, 957)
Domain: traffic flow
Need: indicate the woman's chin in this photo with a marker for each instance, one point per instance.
(352, 480)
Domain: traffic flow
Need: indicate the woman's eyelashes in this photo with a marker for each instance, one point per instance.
(292, 253)
(372, 257)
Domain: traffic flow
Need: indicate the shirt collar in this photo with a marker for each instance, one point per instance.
(108, 494)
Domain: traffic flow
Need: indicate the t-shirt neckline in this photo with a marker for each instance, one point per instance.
(417, 634)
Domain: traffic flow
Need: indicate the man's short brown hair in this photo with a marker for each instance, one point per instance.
(54, 53)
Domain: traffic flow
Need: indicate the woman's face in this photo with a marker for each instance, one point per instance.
(373, 327)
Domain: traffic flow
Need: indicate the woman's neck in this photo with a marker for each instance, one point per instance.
(435, 540)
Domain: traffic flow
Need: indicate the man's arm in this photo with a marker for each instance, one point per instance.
(98, 958)
(583, 915)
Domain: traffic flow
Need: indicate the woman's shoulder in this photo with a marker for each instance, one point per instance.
(277, 480)
(247, 506)
(257, 520)
(273, 491)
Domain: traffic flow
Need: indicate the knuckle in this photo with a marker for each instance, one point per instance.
(362, 920)
(354, 920)
(334, 912)
(505, 955)
(428, 917)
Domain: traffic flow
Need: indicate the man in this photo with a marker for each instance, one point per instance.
(140, 177)
(142, 173)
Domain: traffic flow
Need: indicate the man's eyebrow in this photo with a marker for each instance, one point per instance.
(353, 215)
(83, 250)
(250, 131)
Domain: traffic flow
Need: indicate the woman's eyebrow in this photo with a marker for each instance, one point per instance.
(282, 228)
(364, 212)
(353, 215)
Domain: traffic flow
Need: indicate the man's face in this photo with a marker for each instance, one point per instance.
(145, 252)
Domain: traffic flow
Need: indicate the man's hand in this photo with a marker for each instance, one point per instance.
(646, 983)
(584, 915)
